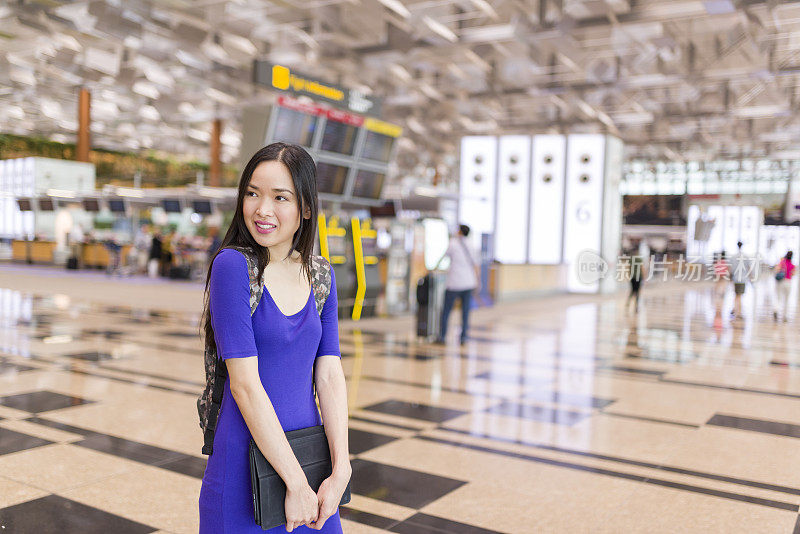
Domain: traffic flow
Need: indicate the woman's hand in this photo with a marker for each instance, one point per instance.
(330, 495)
(300, 506)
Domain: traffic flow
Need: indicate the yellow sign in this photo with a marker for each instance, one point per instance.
(283, 79)
(385, 128)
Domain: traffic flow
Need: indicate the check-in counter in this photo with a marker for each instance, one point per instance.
(516, 282)
(95, 255)
(33, 251)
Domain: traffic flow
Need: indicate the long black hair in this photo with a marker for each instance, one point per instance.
(304, 177)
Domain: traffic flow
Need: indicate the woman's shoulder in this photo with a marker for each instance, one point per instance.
(229, 260)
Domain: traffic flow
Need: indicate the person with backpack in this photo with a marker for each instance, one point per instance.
(783, 286)
(462, 280)
(272, 343)
(740, 274)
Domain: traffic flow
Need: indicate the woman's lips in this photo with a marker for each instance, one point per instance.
(267, 230)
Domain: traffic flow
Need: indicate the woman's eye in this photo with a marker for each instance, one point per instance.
(279, 197)
(251, 193)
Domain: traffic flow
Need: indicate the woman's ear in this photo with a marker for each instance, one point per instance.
(306, 212)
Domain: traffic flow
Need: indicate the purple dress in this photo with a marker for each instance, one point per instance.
(286, 348)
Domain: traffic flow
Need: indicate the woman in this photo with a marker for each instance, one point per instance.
(721, 274)
(277, 358)
(783, 286)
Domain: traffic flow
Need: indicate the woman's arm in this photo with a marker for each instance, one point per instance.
(332, 393)
(301, 505)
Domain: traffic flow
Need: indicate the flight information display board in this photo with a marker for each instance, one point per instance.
(378, 147)
(293, 126)
(368, 184)
(340, 132)
(331, 178)
(339, 141)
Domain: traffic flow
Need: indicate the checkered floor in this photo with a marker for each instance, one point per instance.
(563, 414)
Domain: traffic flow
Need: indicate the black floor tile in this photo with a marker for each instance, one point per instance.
(428, 524)
(188, 465)
(396, 485)
(11, 441)
(756, 425)
(366, 518)
(634, 370)
(57, 515)
(182, 334)
(131, 450)
(8, 367)
(41, 401)
(63, 426)
(409, 356)
(90, 356)
(424, 412)
(362, 441)
(104, 333)
(539, 413)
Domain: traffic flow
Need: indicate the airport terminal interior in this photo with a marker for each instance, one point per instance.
(610, 187)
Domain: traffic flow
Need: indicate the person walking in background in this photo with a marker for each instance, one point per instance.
(739, 270)
(141, 249)
(462, 280)
(783, 286)
(156, 246)
(721, 274)
(637, 275)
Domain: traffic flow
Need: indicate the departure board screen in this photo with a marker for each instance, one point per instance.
(339, 137)
(331, 178)
(368, 184)
(378, 147)
(294, 127)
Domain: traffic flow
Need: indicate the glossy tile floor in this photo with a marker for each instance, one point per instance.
(561, 414)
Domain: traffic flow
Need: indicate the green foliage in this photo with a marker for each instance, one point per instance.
(117, 168)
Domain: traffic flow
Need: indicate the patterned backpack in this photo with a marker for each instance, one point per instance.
(210, 402)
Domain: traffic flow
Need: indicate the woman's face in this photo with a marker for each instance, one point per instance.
(270, 208)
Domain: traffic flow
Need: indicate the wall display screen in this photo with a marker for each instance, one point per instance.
(378, 147)
(171, 205)
(513, 183)
(116, 205)
(368, 184)
(548, 163)
(653, 209)
(201, 206)
(478, 176)
(294, 127)
(339, 137)
(24, 204)
(331, 178)
(91, 205)
(46, 204)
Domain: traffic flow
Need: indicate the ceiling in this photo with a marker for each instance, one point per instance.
(676, 79)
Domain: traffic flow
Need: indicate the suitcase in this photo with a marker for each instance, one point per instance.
(180, 272)
(72, 263)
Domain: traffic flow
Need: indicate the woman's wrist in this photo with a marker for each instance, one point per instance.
(342, 470)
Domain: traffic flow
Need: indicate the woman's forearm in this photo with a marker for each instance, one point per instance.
(332, 393)
(264, 426)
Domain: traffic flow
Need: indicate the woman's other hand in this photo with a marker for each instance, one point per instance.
(329, 496)
(301, 507)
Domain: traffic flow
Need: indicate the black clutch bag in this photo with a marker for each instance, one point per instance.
(310, 447)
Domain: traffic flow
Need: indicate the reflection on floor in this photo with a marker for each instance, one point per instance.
(563, 414)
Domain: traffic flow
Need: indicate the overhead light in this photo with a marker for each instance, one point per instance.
(643, 117)
(149, 113)
(219, 96)
(587, 109)
(440, 29)
(430, 92)
(397, 7)
(145, 88)
(478, 60)
(486, 34)
(415, 126)
(484, 6)
(243, 44)
(400, 72)
(60, 193)
(130, 192)
(752, 112)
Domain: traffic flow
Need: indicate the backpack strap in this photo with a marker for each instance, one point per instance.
(320, 281)
(220, 368)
